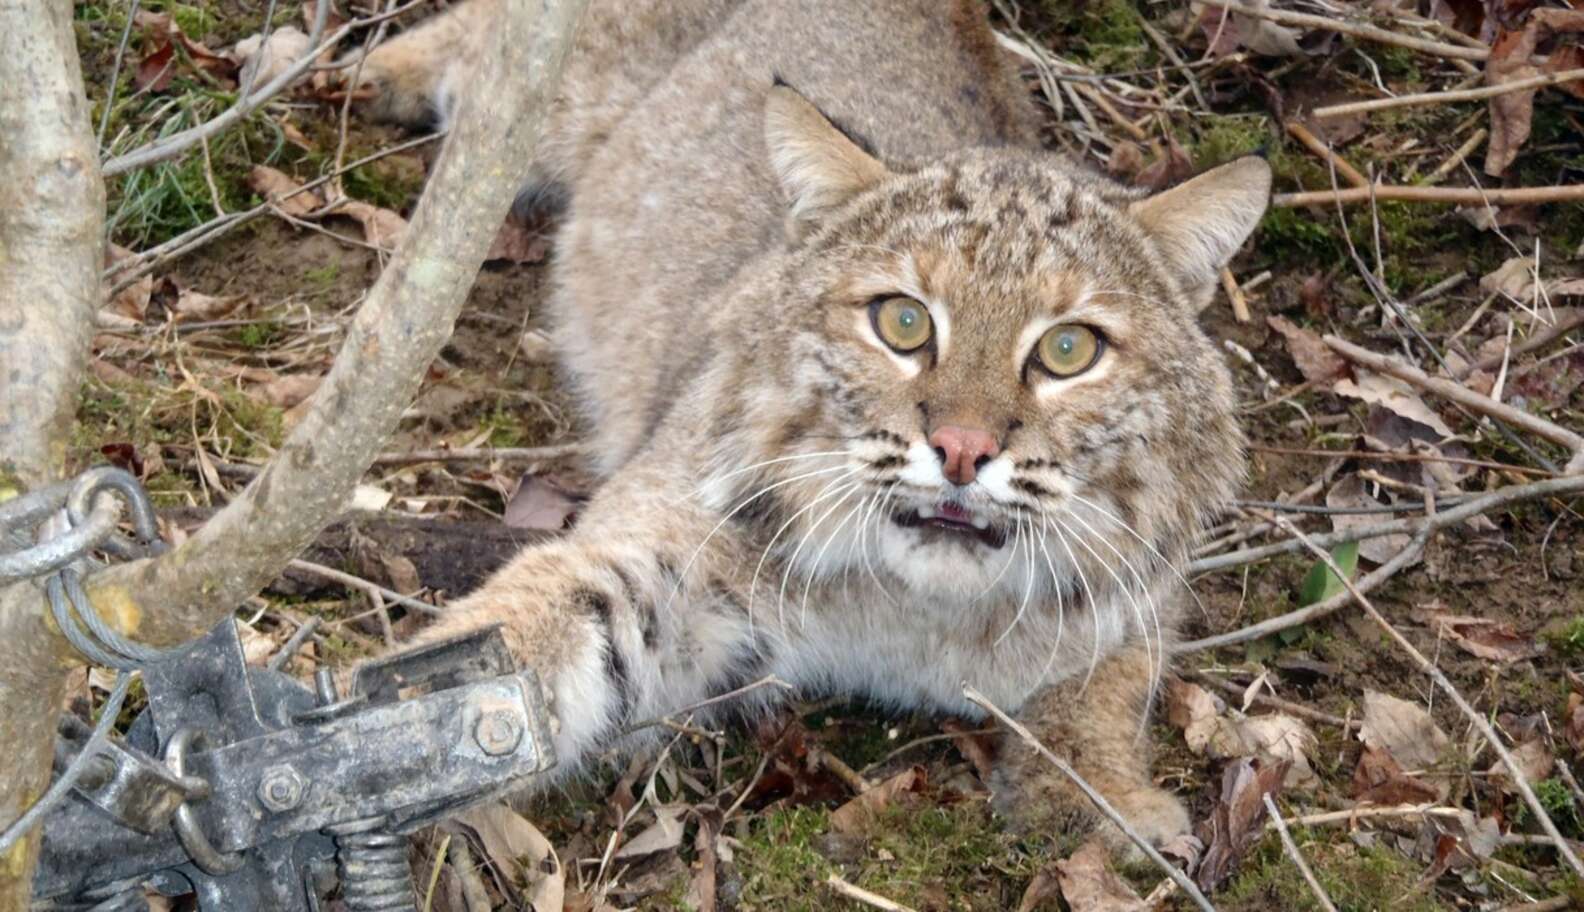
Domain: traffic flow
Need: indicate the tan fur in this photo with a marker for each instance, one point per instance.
(765, 454)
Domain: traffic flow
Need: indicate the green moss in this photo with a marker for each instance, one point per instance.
(1557, 799)
(1106, 35)
(1357, 879)
(264, 333)
(384, 184)
(1569, 640)
(921, 856)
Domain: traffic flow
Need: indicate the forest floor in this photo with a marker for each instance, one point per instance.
(204, 359)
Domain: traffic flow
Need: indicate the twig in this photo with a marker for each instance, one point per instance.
(115, 72)
(859, 894)
(304, 631)
(358, 582)
(1240, 310)
(768, 680)
(1297, 858)
(1520, 781)
(1372, 456)
(178, 143)
(1568, 319)
(839, 768)
(1568, 484)
(1326, 153)
(1461, 196)
(1435, 98)
(1466, 397)
(483, 454)
(1381, 574)
(1270, 702)
(1362, 813)
(1357, 30)
(1457, 158)
(1095, 798)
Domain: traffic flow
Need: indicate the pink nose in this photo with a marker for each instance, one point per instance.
(962, 451)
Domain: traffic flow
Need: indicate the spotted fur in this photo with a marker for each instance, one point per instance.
(744, 178)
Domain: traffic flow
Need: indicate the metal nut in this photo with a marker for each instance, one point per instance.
(281, 789)
(498, 732)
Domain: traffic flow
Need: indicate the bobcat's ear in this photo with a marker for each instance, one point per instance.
(819, 166)
(1200, 223)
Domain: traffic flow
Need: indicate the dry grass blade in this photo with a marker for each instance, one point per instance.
(1098, 800)
(1475, 718)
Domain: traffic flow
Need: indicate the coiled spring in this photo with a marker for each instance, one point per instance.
(373, 863)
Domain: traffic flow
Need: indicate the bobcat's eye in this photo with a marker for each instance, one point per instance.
(902, 323)
(1069, 349)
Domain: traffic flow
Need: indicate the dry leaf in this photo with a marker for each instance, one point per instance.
(161, 36)
(1522, 55)
(1535, 761)
(381, 227)
(1089, 885)
(369, 498)
(195, 306)
(521, 852)
(1482, 637)
(856, 815)
(132, 301)
(1379, 780)
(263, 60)
(1349, 494)
(1231, 32)
(539, 503)
(401, 574)
(706, 844)
(1393, 394)
(1272, 737)
(1403, 730)
(1315, 360)
(287, 391)
(665, 833)
(1043, 887)
(1169, 167)
(1237, 821)
(274, 186)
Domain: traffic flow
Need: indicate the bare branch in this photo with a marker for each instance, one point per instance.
(1460, 196)
(1357, 30)
(1431, 98)
(51, 220)
(1466, 397)
(1297, 857)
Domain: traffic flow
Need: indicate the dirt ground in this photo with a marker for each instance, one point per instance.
(210, 356)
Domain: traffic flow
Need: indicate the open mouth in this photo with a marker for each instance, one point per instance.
(956, 519)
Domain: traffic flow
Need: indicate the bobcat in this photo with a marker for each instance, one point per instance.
(884, 398)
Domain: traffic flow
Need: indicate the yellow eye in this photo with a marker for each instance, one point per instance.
(1069, 349)
(902, 323)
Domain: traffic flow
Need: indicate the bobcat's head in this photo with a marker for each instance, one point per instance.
(982, 376)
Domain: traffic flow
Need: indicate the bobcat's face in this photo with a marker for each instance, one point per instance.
(984, 377)
(1019, 393)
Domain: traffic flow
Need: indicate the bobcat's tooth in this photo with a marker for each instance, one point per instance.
(980, 523)
(926, 512)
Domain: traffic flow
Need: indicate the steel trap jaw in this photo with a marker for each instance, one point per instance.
(240, 785)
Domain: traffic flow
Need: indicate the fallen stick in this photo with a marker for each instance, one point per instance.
(1465, 397)
(1364, 813)
(1098, 800)
(1432, 98)
(1520, 781)
(1312, 142)
(1297, 857)
(1229, 283)
(1460, 196)
(1567, 320)
(482, 454)
(358, 582)
(1270, 702)
(1357, 30)
(859, 894)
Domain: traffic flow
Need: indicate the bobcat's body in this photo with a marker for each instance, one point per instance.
(785, 491)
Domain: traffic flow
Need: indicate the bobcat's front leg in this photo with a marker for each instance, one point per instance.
(615, 629)
(1101, 730)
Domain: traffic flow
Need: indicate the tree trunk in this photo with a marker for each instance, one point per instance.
(399, 330)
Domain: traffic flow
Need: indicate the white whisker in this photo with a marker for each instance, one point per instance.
(825, 492)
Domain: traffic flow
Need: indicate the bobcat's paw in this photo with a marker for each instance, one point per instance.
(1048, 802)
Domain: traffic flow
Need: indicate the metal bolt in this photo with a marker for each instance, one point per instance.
(281, 789)
(498, 732)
